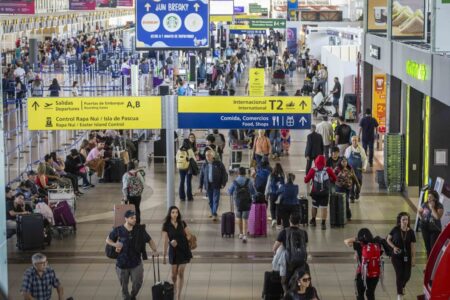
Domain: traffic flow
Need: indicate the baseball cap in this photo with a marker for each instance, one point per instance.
(129, 214)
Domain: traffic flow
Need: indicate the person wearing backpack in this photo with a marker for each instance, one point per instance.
(368, 254)
(287, 195)
(261, 175)
(293, 254)
(357, 159)
(242, 191)
(321, 177)
(275, 179)
(292, 67)
(261, 146)
(132, 188)
(183, 158)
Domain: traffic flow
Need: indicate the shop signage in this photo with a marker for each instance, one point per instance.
(377, 12)
(256, 82)
(408, 19)
(244, 112)
(268, 23)
(21, 7)
(374, 51)
(379, 100)
(174, 24)
(82, 4)
(94, 113)
(416, 70)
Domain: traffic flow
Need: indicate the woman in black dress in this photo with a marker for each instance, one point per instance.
(175, 235)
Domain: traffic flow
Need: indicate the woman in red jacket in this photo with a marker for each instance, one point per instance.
(322, 177)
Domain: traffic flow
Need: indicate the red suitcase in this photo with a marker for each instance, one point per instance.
(257, 220)
(63, 215)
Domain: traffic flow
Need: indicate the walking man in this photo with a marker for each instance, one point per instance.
(325, 129)
(129, 241)
(357, 159)
(39, 280)
(314, 147)
(367, 133)
(213, 178)
(336, 94)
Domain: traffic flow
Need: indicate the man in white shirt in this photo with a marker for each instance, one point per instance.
(19, 72)
(325, 129)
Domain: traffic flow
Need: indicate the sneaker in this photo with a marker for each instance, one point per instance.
(269, 218)
(324, 226)
(274, 223)
(92, 185)
(210, 216)
(244, 239)
(312, 222)
(241, 236)
(101, 180)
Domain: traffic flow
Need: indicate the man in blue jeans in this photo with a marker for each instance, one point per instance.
(368, 132)
(213, 178)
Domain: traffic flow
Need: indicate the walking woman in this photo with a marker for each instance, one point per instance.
(403, 242)
(430, 215)
(288, 196)
(365, 284)
(184, 156)
(302, 288)
(54, 88)
(175, 234)
(276, 178)
(346, 177)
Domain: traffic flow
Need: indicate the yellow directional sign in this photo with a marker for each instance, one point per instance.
(242, 104)
(256, 82)
(66, 113)
(220, 18)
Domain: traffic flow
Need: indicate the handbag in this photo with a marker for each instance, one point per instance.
(192, 242)
(110, 252)
(193, 167)
(82, 170)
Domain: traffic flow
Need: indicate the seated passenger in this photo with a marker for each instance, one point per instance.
(16, 208)
(53, 176)
(58, 166)
(75, 165)
(31, 183)
(42, 178)
(95, 160)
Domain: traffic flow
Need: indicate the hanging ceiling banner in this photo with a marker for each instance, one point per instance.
(18, 7)
(82, 4)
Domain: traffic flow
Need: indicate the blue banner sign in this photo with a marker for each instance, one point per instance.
(172, 24)
(238, 9)
(244, 121)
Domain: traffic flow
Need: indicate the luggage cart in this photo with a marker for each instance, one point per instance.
(56, 196)
(245, 154)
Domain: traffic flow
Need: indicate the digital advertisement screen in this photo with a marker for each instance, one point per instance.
(377, 15)
(106, 3)
(408, 21)
(82, 4)
(20, 7)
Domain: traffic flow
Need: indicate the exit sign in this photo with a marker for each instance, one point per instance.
(268, 23)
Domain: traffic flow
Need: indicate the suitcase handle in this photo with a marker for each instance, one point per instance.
(154, 269)
(231, 203)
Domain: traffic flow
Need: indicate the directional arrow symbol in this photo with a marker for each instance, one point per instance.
(303, 121)
(147, 7)
(303, 104)
(35, 105)
(196, 6)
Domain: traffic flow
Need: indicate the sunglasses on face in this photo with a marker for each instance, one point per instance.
(306, 279)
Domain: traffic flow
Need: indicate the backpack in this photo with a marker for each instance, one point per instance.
(296, 253)
(243, 197)
(134, 185)
(274, 184)
(292, 66)
(321, 182)
(182, 160)
(262, 174)
(371, 260)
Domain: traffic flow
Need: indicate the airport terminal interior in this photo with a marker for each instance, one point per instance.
(109, 101)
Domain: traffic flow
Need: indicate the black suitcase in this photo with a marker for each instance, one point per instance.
(228, 221)
(115, 170)
(272, 289)
(337, 210)
(161, 290)
(30, 232)
(303, 203)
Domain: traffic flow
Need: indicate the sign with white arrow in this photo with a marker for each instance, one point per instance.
(268, 23)
(172, 24)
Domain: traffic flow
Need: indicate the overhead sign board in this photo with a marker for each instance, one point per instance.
(255, 8)
(245, 29)
(256, 82)
(238, 9)
(267, 23)
(172, 24)
(94, 113)
(221, 7)
(17, 7)
(82, 4)
(244, 112)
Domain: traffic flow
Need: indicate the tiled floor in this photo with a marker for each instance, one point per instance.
(222, 268)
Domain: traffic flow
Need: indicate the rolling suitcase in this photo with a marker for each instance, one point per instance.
(303, 203)
(63, 215)
(227, 222)
(161, 290)
(337, 210)
(257, 220)
(115, 171)
(30, 232)
(272, 288)
(119, 213)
